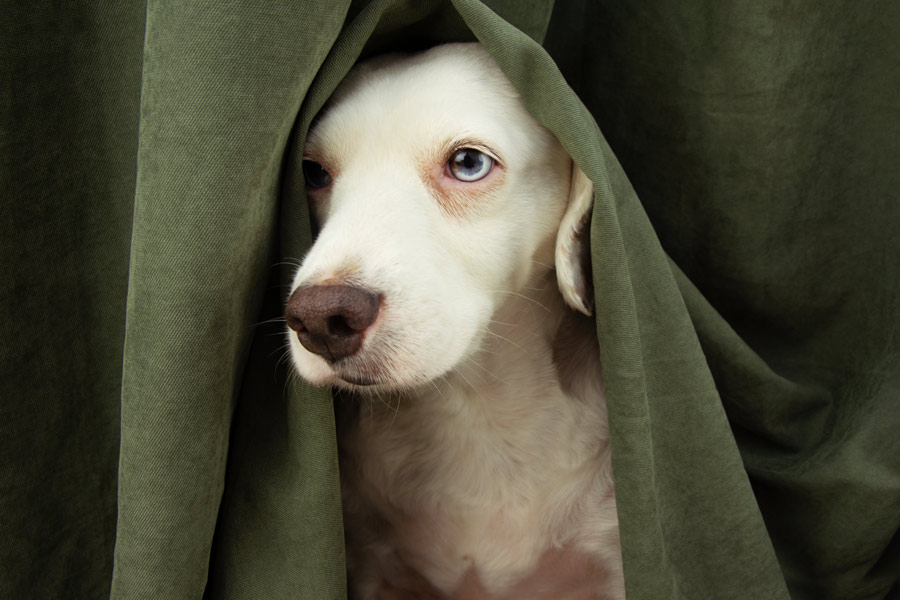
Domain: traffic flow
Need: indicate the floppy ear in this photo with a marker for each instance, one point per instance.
(573, 257)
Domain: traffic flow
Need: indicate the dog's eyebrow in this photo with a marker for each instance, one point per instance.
(313, 150)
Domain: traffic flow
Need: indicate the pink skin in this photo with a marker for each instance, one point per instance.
(560, 574)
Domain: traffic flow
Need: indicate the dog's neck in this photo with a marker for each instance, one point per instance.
(525, 326)
(495, 453)
(550, 341)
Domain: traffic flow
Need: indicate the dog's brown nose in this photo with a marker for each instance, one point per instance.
(330, 319)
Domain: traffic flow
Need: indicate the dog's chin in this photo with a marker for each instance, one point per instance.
(350, 379)
(363, 383)
(366, 384)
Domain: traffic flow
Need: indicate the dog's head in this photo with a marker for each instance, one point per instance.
(438, 195)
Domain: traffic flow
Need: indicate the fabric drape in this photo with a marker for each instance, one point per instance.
(745, 256)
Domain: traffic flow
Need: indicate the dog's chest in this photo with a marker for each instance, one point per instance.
(456, 482)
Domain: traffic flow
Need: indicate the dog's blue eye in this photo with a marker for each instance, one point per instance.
(469, 164)
(315, 174)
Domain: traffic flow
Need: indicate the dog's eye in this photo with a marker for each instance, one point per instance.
(469, 164)
(315, 174)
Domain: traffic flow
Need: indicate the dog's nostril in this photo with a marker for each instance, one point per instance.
(330, 319)
(337, 325)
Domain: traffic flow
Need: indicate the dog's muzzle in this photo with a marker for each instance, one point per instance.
(330, 320)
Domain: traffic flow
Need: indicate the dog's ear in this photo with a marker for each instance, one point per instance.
(573, 259)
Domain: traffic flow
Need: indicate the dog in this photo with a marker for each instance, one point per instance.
(446, 299)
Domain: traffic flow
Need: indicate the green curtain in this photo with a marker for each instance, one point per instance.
(746, 264)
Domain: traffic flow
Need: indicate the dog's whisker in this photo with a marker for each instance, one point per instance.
(290, 382)
(288, 262)
(278, 364)
(285, 362)
(446, 381)
(283, 349)
(523, 296)
(488, 371)
(396, 412)
(508, 341)
(269, 321)
(283, 357)
(540, 264)
(384, 400)
(437, 388)
(495, 321)
(470, 363)
(466, 379)
(483, 344)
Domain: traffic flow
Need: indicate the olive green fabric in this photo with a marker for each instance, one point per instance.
(70, 85)
(746, 265)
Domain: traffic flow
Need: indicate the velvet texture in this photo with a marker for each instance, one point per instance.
(746, 266)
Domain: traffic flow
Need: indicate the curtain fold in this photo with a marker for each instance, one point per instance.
(221, 87)
(746, 264)
(762, 140)
(70, 88)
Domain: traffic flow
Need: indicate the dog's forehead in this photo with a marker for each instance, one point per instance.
(447, 93)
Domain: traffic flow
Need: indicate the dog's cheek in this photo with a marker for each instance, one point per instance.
(482, 251)
(434, 325)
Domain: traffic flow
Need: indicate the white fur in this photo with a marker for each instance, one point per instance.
(477, 450)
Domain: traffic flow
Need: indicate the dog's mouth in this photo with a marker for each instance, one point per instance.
(373, 379)
(354, 374)
(357, 379)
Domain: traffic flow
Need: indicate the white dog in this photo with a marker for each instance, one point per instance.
(475, 461)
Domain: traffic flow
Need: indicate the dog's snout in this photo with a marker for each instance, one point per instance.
(330, 319)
